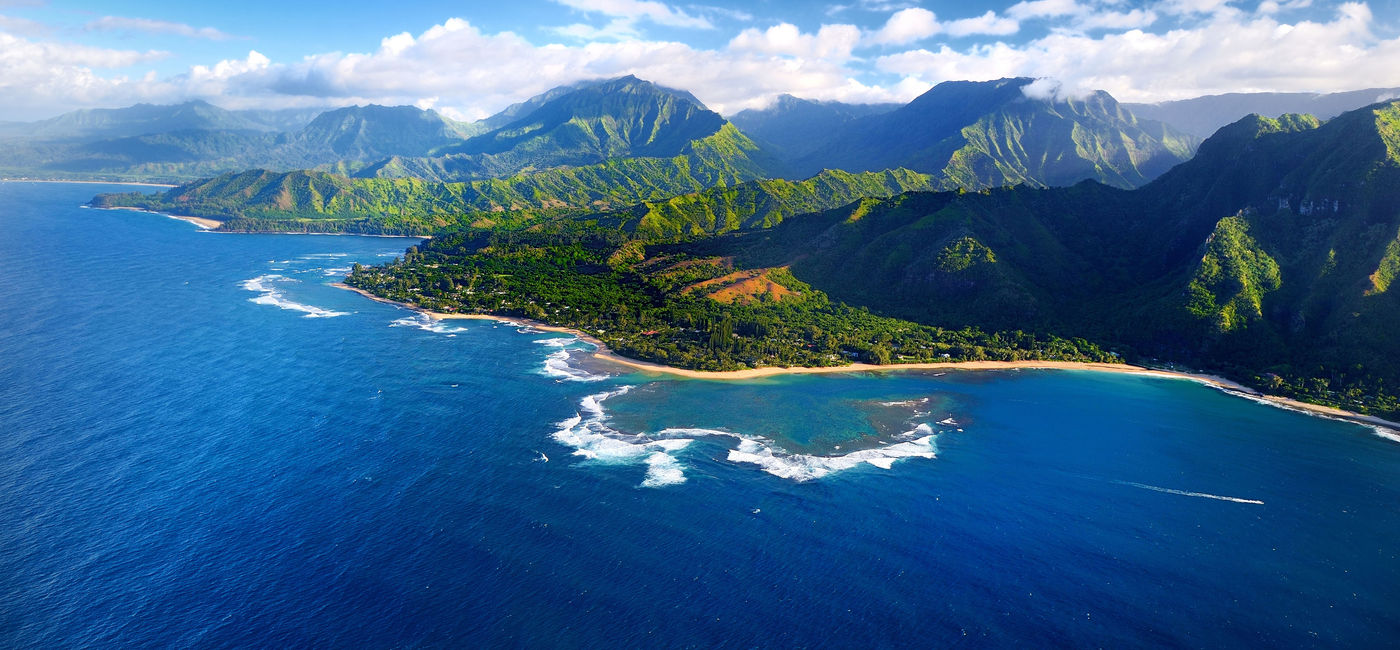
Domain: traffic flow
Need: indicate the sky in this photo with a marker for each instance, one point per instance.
(470, 59)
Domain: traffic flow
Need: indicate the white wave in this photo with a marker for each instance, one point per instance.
(323, 256)
(1184, 493)
(1387, 433)
(663, 469)
(908, 402)
(807, 467)
(265, 285)
(335, 271)
(1382, 431)
(590, 436)
(427, 323)
(557, 363)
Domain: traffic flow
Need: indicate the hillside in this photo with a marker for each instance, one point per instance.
(306, 201)
(1269, 257)
(793, 127)
(587, 124)
(990, 134)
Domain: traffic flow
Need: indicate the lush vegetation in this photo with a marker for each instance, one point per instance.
(664, 304)
(976, 135)
(306, 201)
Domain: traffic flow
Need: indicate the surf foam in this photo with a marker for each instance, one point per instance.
(590, 436)
(269, 294)
(557, 363)
(427, 324)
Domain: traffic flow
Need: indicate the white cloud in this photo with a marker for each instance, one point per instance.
(1189, 7)
(1272, 7)
(17, 25)
(1043, 9)
(989, 23)
(732, 14)
(1230, 52)
(915, 24)
(467, 73)
(616, 30)
(36, 78)
(634, 10)
(149, 26)
(830, 42)
(907, 26)
(1135, 19)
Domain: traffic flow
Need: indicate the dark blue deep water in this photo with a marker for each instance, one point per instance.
(203, 444)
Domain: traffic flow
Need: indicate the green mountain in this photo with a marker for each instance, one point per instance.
(990, 134)
(757, 204)
(370, 132)
(587, 125)
(793, 127)
(1270, 256)
(307, 201)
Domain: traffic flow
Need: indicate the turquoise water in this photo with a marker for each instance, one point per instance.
(202, 444)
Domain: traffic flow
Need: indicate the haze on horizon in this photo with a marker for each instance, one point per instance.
(469, 61)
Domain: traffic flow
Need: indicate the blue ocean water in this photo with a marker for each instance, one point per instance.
(202, 443)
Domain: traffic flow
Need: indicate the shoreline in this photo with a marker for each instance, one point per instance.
(213, 225)
(1220, 383)
(59, 180)
(203, 222)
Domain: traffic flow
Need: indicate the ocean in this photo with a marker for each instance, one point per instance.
(205, 444)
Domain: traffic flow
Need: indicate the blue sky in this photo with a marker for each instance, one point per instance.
(468, 59)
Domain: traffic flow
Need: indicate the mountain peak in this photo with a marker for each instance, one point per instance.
(590, 123)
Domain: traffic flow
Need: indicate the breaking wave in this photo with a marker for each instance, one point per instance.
(557, 363)
(268, 294)
(1387, 433)
(428, 324)
(591, 437)
(807, 467)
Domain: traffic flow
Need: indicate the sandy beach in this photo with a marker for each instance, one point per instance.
(207, 224)
(1234, 388)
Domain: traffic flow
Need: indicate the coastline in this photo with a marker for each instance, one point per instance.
(203, 222)
(60, 180)
(1392, 429)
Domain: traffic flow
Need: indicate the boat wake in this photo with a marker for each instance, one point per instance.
(1184, 493)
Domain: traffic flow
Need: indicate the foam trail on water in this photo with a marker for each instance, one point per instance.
(557, 363)
(427, 323)
(265, 285)
(1184, 493)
